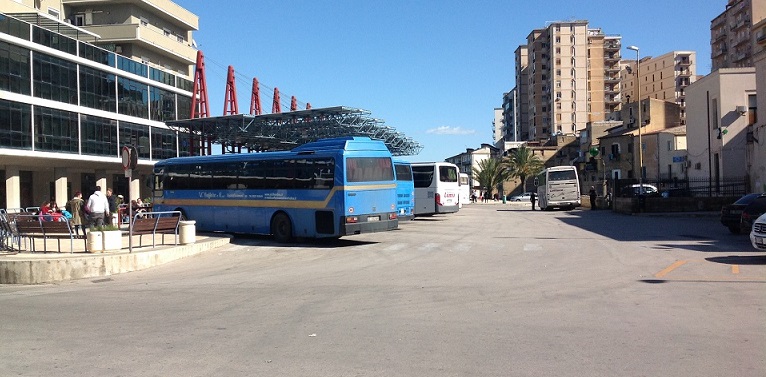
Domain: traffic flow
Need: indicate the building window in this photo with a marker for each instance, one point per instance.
(162, 104)
(99, 136)
(752, 107)
(132, 98)
(163, 144)
(14, 69)
(56, 130)
(15, 125)
(54, 79)
(136, 135)
(97, 89)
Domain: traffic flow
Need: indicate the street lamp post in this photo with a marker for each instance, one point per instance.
(640, 145)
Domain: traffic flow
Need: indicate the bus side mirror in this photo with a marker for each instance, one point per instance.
(537, 182)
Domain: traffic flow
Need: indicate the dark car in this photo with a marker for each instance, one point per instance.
(753, 210)
(731, 214)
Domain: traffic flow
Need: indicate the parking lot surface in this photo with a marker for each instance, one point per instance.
(493, 290)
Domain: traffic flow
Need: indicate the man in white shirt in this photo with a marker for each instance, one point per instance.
(98, 206)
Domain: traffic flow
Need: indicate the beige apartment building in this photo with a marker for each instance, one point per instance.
(731, 37)
(522, 93)
(572, 78)
(664, 78)
(720, 114)
(619, 147)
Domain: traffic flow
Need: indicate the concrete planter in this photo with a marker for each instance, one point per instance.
(112, 240)
(95, 242)
(100, 241)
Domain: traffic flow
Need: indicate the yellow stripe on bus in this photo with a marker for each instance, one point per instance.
(284, 203)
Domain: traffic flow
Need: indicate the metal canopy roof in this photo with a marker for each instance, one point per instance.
(283, 131)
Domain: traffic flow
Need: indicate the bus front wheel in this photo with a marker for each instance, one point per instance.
(281, 228)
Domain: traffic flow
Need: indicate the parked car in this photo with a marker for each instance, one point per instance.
(639, 189)
(753, 210)
(731, 214)
(758, 234)
(524, 197)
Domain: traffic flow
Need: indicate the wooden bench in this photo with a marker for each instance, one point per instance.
(61, 230)
(154, 223)
(31, 227)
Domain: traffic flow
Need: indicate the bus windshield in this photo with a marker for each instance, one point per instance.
(562, 175)
(369, 169)
(447, 174)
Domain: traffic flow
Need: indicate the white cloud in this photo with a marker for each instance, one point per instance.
(447, 130)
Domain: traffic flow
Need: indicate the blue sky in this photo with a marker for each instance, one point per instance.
(434, 70)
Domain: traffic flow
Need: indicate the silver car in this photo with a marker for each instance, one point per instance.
(758, 233)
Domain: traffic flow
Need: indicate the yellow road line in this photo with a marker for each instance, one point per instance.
(670, 268)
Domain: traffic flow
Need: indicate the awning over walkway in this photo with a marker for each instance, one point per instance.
(283, 131)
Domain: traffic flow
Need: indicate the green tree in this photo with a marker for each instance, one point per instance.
(522, 163)
(490, 173)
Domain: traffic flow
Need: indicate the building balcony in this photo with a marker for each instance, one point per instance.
(612, 57)
(760, 37)
(612, 68)
(741, 40)
(611, 89)
(684, 73)
(718, 36)
(612, 46)
(684, 62)
(716, 52)
(145, 37)
(612, 79)
(166, 9)
(740, 56)
(611, 99)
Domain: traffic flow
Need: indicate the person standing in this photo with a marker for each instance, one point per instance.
(113, 204)
(592, 194)
(532, 198)
(75, 207)
(98, 206)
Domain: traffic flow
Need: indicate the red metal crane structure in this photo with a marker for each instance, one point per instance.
(275, 109)
(255, 99)
(200, 108)
(230, 106)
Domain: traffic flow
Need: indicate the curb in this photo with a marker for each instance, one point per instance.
(64, 268)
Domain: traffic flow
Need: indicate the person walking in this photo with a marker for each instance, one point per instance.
(75, 207)
(532, 198)
(98, 206)
(592, 194)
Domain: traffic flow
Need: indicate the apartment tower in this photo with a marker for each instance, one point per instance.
(572, 78)
(731, 39)
(664, 78)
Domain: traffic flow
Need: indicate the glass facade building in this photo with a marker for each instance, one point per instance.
(64, 102)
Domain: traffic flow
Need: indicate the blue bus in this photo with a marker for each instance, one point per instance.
(405, 190)
(324, 189)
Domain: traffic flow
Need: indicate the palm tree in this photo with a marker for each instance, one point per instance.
(490, 173)
(522, 163)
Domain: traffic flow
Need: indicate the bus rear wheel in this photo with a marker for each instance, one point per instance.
(282, 228)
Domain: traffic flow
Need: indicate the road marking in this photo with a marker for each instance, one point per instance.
(670, 268)
(735, 269)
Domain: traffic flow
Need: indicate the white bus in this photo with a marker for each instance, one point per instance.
(558, 187)
(465, 190)
(437, 187)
